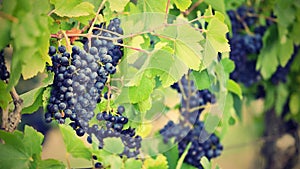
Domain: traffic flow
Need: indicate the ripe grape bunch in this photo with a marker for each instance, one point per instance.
(80, 77)
(4, 74)
(190, 129)
(243, 45)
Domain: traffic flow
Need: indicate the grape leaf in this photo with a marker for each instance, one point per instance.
(32, 100)
(142, 91)
(185, 43)
(216, 34)
(267, 61)
(51, 164)
(32, 141)
(5, 95)
(29, 56)
(285, 52)
(159, 162)
(115, 161)
(73, 8)
(144, 105)
(235, 88)
(228, 65)
(5, 27)
(133, 164)
(74, 145)
(117, 5)
(201, 79)
(20, 151)
(12, 158)
(113, 145)
(152, 6)
(172, 156)
(285, 13)
(218, 5)
(182, 5)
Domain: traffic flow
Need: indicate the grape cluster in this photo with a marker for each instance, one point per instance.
(190, 129)
(79, 78)
(114, 128)
(244, 45)
(4, 74)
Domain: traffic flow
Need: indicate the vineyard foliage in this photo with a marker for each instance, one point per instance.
(162, 42)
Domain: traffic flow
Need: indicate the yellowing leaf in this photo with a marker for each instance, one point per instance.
(182, 5)
(160, 162)
(117, 5)
(72, 8)
(216, 34)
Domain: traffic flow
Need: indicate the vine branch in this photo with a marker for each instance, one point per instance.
(10, 120)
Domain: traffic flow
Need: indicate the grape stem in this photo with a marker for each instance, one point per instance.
(8, 17)
(195, 5)
(68, 45)
(97, 14)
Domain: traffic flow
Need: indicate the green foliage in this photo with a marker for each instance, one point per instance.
(23, 150)
(74, 145)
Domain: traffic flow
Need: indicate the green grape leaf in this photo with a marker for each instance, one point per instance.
(32, 100)
(228, 65)
(216, 33)
(185, 43)
(51, 164)
(142, 91)
(182, 157)
(281, 97)
(152, 6)
(159, 162)
(235, 88)
(205, 163)
(218, 5)
(285, 13)
(172, 156)
(294, 103)
(32, 141)
(201, 79)
(113, 145)
(182, 5)
(7, 7)
(285, 52)
(144, 105)
(5, 28)
(29, 56)
(13, 139)
(13, 157)
(117, 5)
(20, 151)
(73, 8)
(74, 145)
(267, 61)
(133, 164)
(5, 95)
